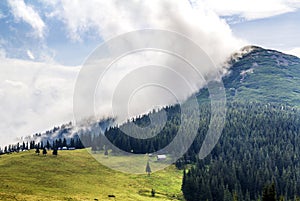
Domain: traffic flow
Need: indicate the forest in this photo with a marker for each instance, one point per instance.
(257, 150)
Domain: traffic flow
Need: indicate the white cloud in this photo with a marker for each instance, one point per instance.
(30, 55)
(26, 13)
(110, 18)
(254, 9)
(33, 97)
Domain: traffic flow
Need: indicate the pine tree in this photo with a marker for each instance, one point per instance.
(37, 151)
(23, 146)
(44, 151)
(48, 144)
(64, 143)
(54, 152)
(148, 168)
(153, 192)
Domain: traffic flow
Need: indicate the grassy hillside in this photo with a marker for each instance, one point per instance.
(265, 76)
(76, 175)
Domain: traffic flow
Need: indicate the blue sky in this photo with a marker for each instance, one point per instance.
(279, 32)
(44, 43)
(18, 36)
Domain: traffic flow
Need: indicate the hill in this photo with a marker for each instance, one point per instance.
(263, 75)
(254, 74)
(76, 175)
(259, 144)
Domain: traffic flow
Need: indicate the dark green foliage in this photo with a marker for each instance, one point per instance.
(37, 151)
(269, 193)
(64, 143)
(54, 152)
(143, 146)
(148, 168)
(48, 145)
(260, 142)
(44, 151)
(152, 192)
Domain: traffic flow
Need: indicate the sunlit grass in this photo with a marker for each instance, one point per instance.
(76, 175)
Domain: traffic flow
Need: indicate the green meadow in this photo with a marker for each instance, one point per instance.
(76, 175)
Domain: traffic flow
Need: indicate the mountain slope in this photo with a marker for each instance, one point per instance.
(259, 143)
(264, 75)
(259, 75)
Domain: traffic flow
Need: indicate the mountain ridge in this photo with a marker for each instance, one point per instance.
(254, 74)
(264, 75)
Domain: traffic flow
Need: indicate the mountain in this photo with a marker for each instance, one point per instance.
(259, 145)
(254, 74)
(263, 75)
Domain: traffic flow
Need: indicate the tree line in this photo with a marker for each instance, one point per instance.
(258, 148)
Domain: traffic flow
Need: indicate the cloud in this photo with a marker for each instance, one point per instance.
(26, 13)
(107, 19)
(110, 18)
(33, 97)
(250, 10)
(30, 55)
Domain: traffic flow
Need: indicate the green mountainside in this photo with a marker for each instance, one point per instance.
(266, 76)
(258, 146)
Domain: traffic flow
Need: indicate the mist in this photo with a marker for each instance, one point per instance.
(37, 95)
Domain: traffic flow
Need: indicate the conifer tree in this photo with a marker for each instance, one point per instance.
(37, 151)
(54, 152)
(148, 168)
(44, 151)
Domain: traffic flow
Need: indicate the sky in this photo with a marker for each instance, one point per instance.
(43, 45)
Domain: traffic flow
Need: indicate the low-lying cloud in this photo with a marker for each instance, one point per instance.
(33, 97)
(36, 96)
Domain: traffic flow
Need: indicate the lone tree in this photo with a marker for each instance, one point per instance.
(153, 192)
(54, 152)
(148, 168)
(44, 151)
(37, 151)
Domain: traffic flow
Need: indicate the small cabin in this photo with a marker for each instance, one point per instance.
(161, 157)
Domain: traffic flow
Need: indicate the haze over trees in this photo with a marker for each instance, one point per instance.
(258, 154)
